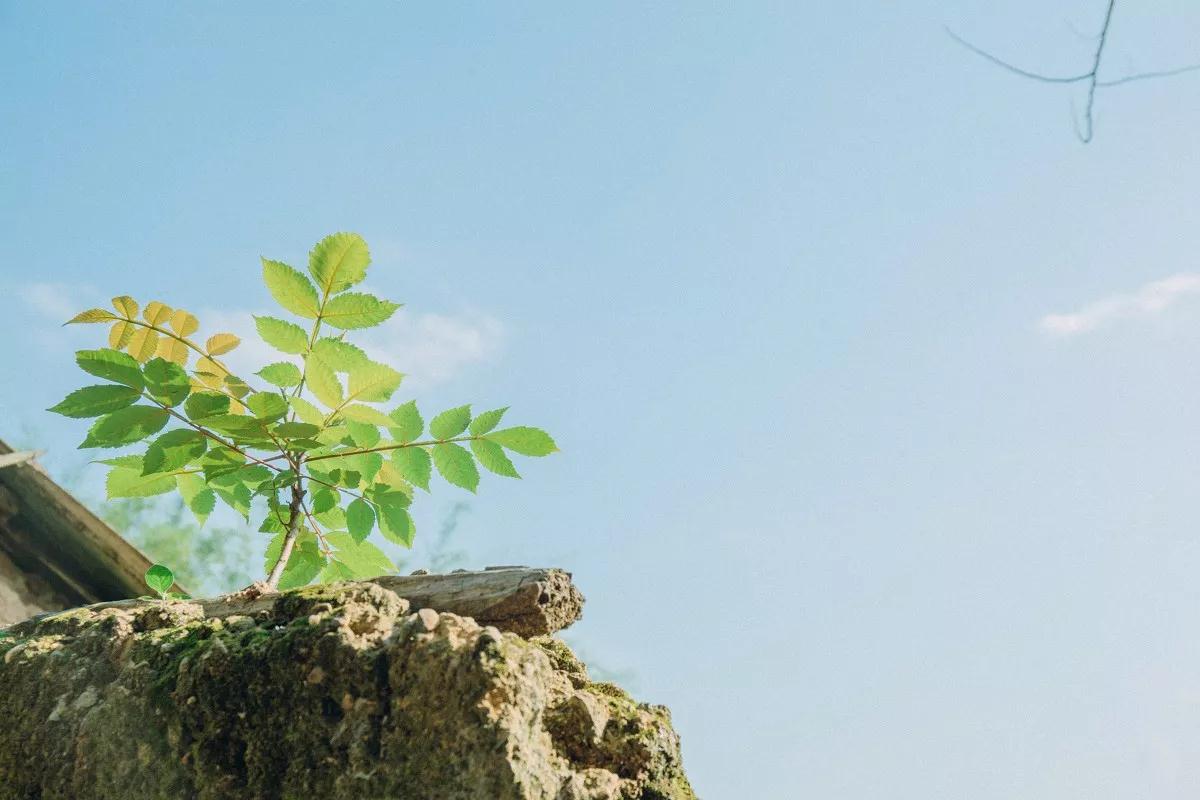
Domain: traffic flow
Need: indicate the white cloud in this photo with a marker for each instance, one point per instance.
(55, 301)
(1152, 298)
(429, 349)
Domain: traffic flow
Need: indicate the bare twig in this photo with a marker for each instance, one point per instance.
(1091, 77)
(289, 540)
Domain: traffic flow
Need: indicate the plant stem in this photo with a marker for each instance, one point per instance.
(381, 448)
(289, 540)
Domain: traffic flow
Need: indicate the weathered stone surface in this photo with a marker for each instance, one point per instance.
(331, 692)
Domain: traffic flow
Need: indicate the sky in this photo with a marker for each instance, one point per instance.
(875, 388)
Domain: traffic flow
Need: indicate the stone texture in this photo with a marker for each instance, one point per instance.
(331, 692)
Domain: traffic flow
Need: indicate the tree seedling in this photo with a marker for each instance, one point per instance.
(307, 445)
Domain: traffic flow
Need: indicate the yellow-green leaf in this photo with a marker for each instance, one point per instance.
(283, 336)
(93, 401)
(524, 440)
(357, 310)
(290, 288)
(111, 365)
(406, 422)
(372, 416)
(92, 315)
(493, 458)
(323, 382)
(456, 465)
(373, 382)
(414, 465)
(125, 482)
(449, 424)
(281, 373)
(338, 262)
(220, 343)
(126, 305)
(125, 426)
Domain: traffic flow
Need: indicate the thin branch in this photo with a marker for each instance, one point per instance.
(382, 448)
(1091, 77)
(289, 540)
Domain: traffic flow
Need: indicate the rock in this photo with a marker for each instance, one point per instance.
(334, 692)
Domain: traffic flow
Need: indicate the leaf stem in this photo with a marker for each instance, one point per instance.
(289, 540)
(381, 448)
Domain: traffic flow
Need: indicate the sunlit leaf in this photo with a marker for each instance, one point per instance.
(126, 305)
(373, 383)
(407, 423)
(92, 315)
(449, 424)
(290, 288)
(201, 405)
(493, 458)
(284, 336)
(267, 406)
(173, 450)
(486, 421)
(221, 343)
(126, 426)
(360, 519)
(342, 356)
(524, 440)
(323, 382)
(120, 334)
(166, 381)
(282, 373)
(338, 262)
(357, 310)
(159, 578)
(111, 365)
(199, 499)
(367, 414)
(414, 465)
(156, 313)
(183, 323)
(306, 411)
(126, 482)
(93, 401)
(456, 465)
(143, 344)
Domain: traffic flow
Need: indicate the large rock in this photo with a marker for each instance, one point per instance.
(331, 692)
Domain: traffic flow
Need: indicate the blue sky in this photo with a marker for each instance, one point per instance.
(875, 388)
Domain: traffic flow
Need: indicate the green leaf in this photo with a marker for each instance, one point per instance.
(360, 519)
(323, 382)
(290, 288)
(362, 434)
(338, 262)
(200, 499)
(237, 425)
(407, 425)
(173, 450)
(449, 424)
(92, 315)
(336, 571)
(267, 406)
(306, 411)
(526, 441)
(486, 421)
(365, 464)
(333, 519)
(456, 465)
(363, 558)
(160, 579)
(166, 381)
(92, 401)
(373, 382)
(295, 430)
(237, 496)
(125, 426)
(305, 563)
(323, 499)
(342, 356)
(367, 414)
(283, 336)
(357, 310)
(112, 365)
(220, 462)
(492, 457)
(394, 521)
(414, 465)
(126, 482)
(282, 374)
(202, 405)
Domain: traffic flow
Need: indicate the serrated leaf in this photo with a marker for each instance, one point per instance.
(414, 465)
(364, 559)
(267, 406)
(126, 426)
(125, 482)
(395, 523)
(524, 440)
(199, 499)
(93, 401)
(456, 465)
(201, 405)
(357, 310)
(367, 465)
(323, 499)
(360, 519)
(126, 305)
(449, 424)
(283, 374)
(338, 262)
(120, 334)
(486, 421)
(156, 313)
(143, 344)
(336, 571)
(341, 356)
(290, 288)
(305, 563)
(111, 365)
(219, 462)
(295, 430)
(183, 323)
(306, 411)
(363, 434)
(92, 315)
(323, 382)
(373, 383)
(160, 578)
(283, 336)
(237, 496)
(221, 343)
(333, 519)
(407, 423)
(492, 457)
(172, 350)
(166, 381)
(236, 425)
(367, 414)
(173, 450)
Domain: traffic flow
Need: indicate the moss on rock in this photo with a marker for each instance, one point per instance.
(331, 692)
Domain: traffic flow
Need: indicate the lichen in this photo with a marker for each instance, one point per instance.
(332, 692)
